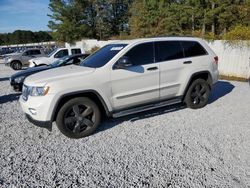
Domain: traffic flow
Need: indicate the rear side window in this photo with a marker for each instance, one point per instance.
(28, 52)
(61, 53)
(168, 50)
(141, 54)
(192, 48)
(76, 51)
(35, 52)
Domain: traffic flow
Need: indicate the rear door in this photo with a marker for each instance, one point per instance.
(178, 60)
(36, 53)
(26, 56)
(170, 56)
(139, 83)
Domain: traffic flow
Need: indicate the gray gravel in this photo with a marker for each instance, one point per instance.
(168, 147)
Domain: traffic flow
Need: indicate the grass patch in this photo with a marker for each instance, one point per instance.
(234, 78)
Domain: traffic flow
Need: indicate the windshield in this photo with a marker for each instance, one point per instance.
(51, 53)
(59, 61)
(103, 56)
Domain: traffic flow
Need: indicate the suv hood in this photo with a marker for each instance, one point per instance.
(30, 71)
(61, 73)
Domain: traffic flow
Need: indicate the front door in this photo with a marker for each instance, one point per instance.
(138, 83)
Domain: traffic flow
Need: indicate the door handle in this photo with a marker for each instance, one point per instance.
(152, 68)
(187, 62)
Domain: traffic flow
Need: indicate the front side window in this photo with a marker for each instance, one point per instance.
(141, 54)
(168, 50)
(61, 53)
(103, 55)
(192, 48)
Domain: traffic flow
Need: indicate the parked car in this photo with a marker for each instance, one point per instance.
(16, 80)
(121, 78)
(55, 55)
(17, 60)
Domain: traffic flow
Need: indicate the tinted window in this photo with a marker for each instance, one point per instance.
(192, 48)
(27, 53)
(76, 51)
(35, 52)
(61, 53)
(168, 50)
(103, 56)
(141, 54)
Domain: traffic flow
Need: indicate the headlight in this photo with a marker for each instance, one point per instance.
(19, 79)
(8, 59)
(38, 91)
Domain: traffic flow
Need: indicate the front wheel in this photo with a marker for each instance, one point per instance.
(197, 94)
(16, 65)
(78, 118)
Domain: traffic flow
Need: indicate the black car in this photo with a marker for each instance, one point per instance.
(16, 80)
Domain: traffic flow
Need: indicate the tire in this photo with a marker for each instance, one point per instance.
(198, 94)
(78, 118)
(16, 65)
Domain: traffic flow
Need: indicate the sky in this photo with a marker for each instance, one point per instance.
(23, 15)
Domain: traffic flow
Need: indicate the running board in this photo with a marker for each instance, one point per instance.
(146, 107)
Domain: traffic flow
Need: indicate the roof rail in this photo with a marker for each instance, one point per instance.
(170, 36)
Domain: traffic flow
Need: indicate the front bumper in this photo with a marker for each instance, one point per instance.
(39, 109)
(42, 124)
(6, 63)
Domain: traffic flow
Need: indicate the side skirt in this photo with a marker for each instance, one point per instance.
(143, 108)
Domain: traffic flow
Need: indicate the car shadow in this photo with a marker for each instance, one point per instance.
(109, 123)
(4, 79)
(220, 89)
(9, 98)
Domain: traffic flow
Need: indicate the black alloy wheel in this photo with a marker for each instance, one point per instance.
(78, 118)
(198, 94)
(16, 65)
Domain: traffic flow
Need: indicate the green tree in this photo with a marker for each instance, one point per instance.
(68, 19)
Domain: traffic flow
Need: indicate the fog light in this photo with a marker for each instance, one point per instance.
(32, 111)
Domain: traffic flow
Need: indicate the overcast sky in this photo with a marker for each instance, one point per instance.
(24, 15)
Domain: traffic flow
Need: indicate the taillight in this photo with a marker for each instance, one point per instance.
(216, 59)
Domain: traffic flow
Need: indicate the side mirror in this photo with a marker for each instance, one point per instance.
(123, 63)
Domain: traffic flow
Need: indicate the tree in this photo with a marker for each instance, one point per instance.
(22, 37)
(211, 18)
(75, 19)
(68, 19)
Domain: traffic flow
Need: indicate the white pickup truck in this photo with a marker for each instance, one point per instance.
(55, 55)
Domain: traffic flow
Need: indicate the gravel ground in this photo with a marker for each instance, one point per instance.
(168, 147)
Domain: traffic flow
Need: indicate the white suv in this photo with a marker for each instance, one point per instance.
(119, 79)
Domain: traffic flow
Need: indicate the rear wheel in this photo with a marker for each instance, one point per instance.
(16, 65)
(197, 94)
(78, 118)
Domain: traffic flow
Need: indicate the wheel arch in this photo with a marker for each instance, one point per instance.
(206, 75)
(92, 94)
(15, 60)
